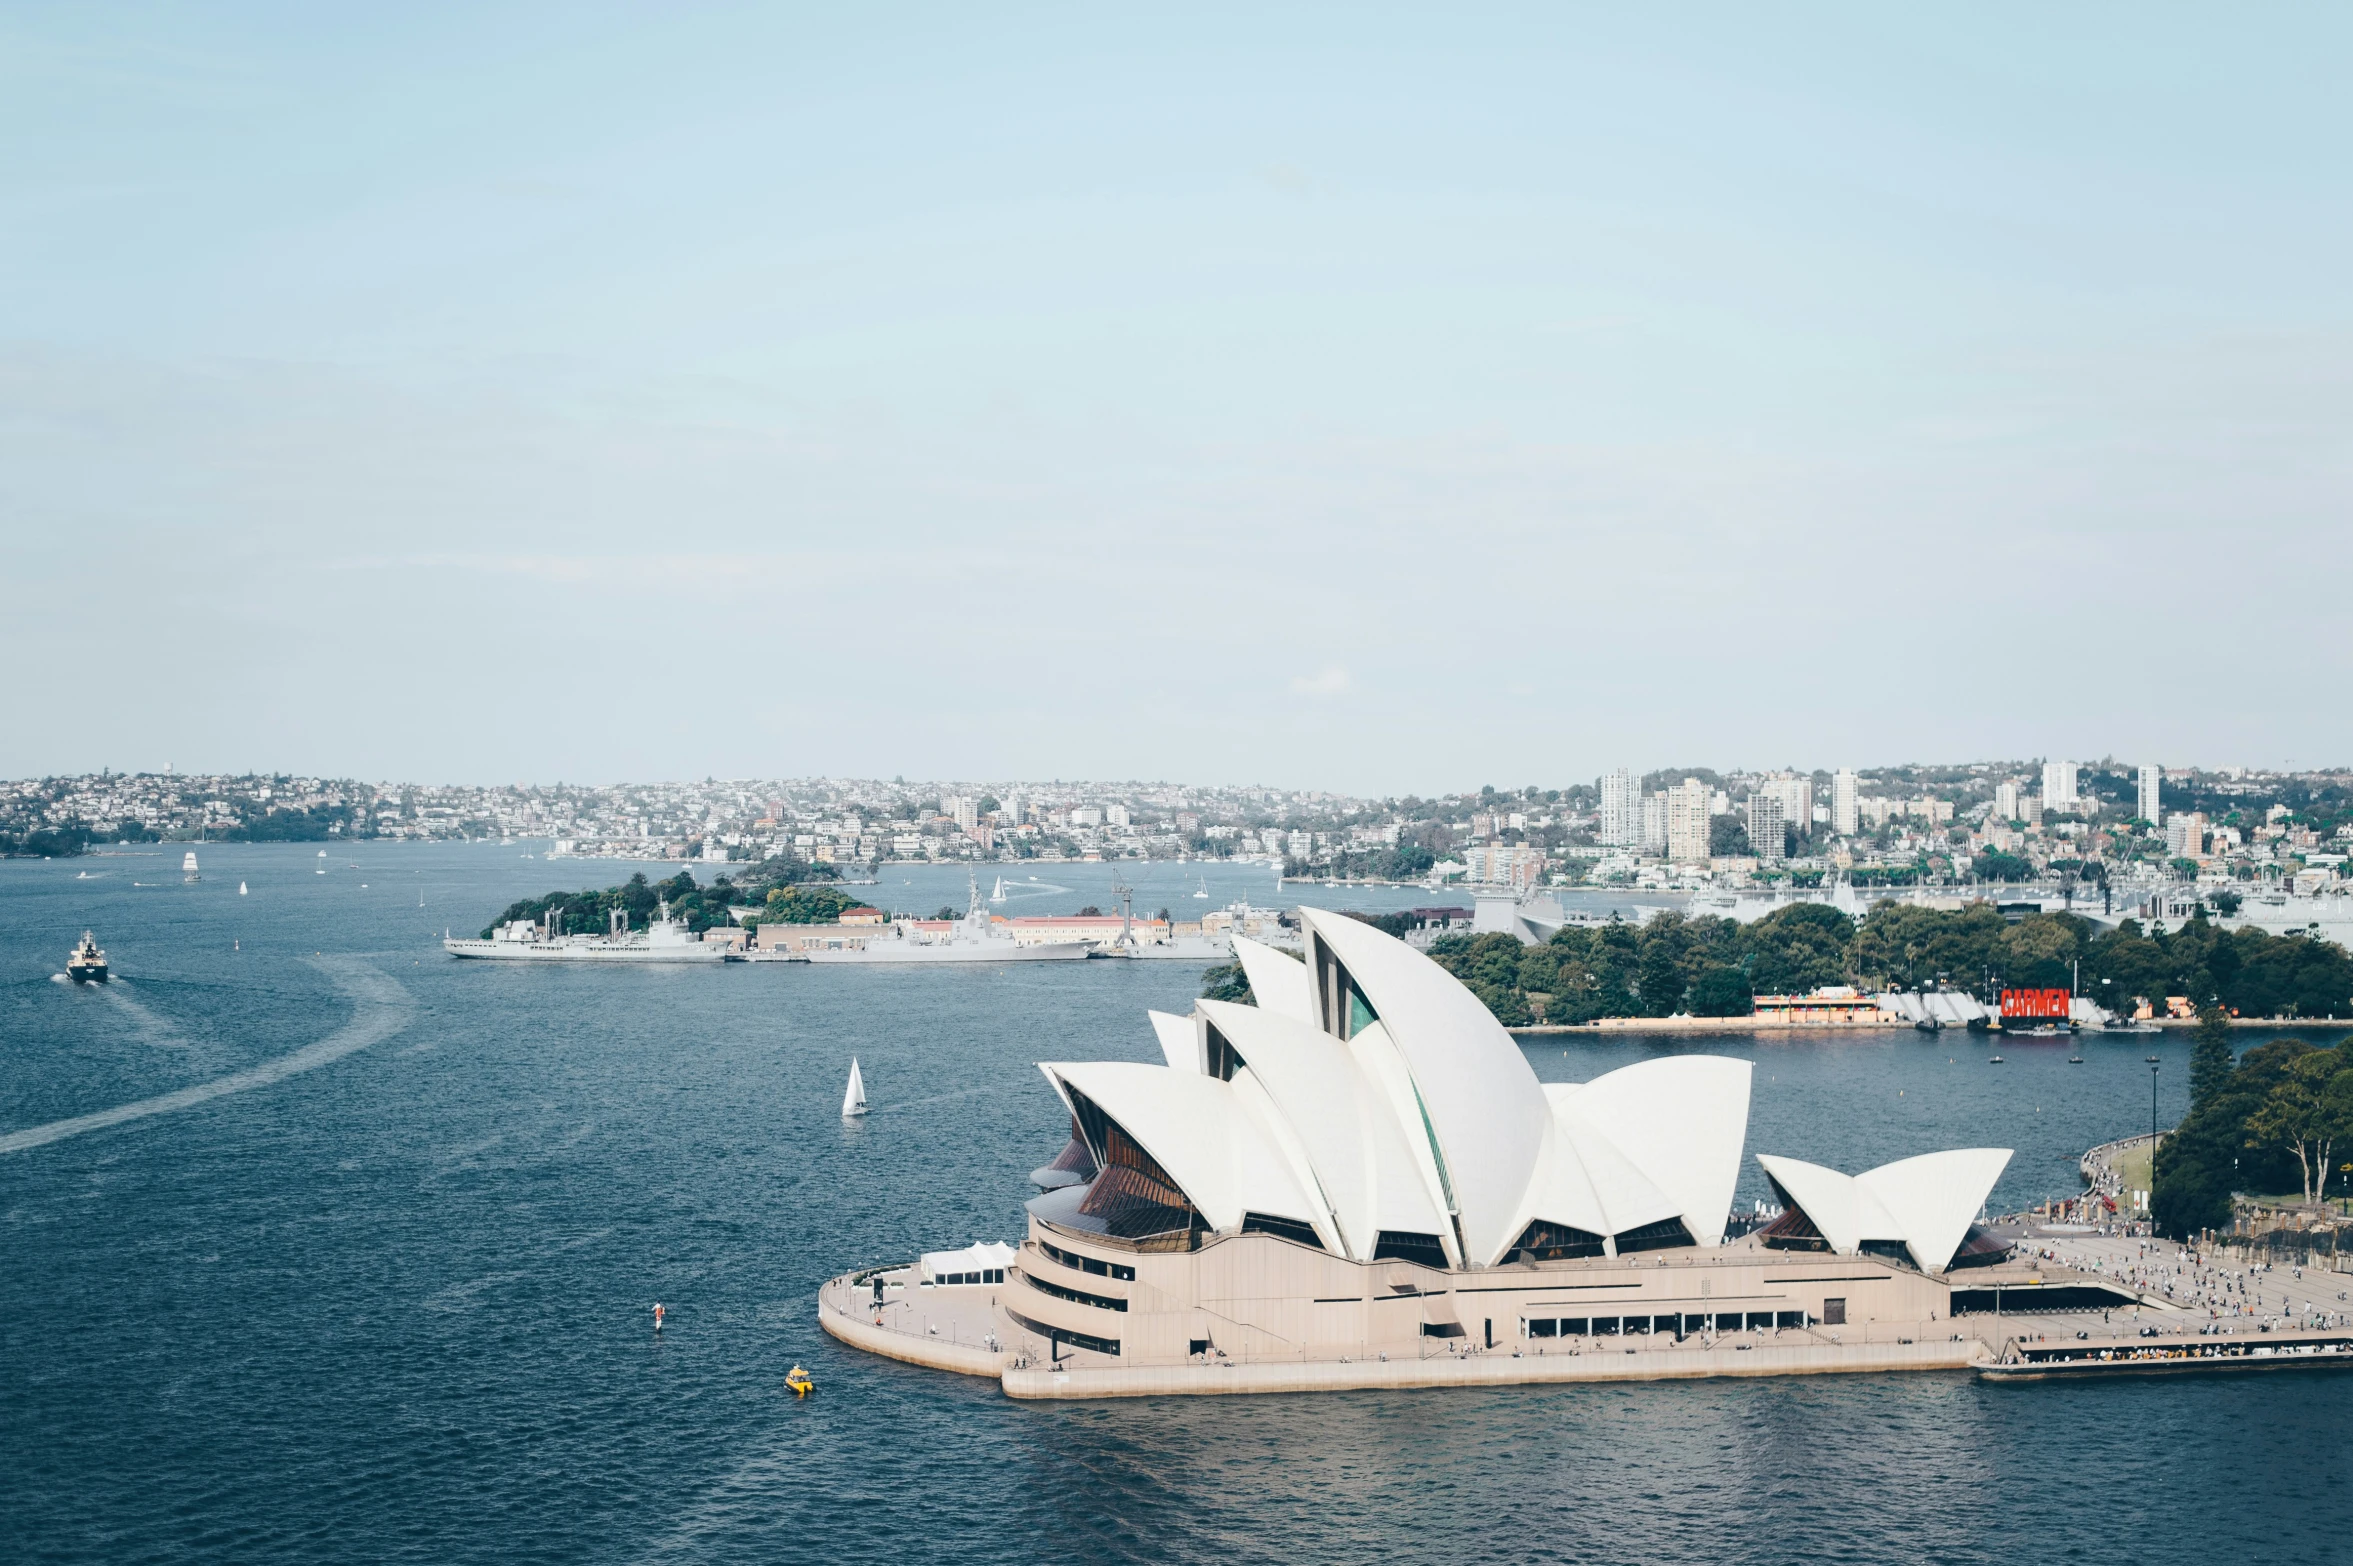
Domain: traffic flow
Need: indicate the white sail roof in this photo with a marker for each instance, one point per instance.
(1199, 1130)
(1279, 982)
(1678, 1119)
(1483, 1108)
(1419, 1115)
(1363, 1167)
(1925, 1204)
(1180, 1040)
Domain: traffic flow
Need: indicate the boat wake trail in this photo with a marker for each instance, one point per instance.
(152, 1029)
(380, 1008)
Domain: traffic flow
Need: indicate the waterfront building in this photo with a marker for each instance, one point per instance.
(2152, 793)
(1844, 817)
(1621, 810)
(1831, 1005)
(1766, 836)
(1690, 807)
(1515, 865)
(1362, 1166)
(1102, 929)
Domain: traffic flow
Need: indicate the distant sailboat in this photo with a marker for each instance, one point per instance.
(188, 866)
(998, 895)
(240, 888)
(322, 855)
(1203, 889)
(854, 1099)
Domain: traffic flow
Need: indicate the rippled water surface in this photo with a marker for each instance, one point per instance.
(381, 1290)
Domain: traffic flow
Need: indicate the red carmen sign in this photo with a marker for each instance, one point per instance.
(2037, 1005)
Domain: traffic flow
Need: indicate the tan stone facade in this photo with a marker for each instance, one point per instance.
(1254, 1297)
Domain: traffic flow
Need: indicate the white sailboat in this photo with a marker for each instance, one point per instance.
(240, 888)
(998, 895)
(854, 1098)
(1203, 889)
(322, 855)
(188, 866)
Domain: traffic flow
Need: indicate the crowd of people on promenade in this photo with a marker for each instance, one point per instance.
(2249, 1294)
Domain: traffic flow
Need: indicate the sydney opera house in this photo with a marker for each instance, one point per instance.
(1361, 1167)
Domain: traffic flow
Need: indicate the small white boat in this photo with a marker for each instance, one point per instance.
(188, 867)
(240, 888)
(322, 855)
(998, 895)
(1203, 889)
(854, 1098)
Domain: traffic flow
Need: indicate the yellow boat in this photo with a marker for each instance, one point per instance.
(798, 1380)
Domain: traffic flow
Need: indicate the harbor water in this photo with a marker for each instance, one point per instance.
(319, 1246)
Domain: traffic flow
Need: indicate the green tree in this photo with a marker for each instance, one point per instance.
(2306, 1112)
(1227, 982)
(1798, 948)
(1722, 992)
(808, 905)
(2210, 1056)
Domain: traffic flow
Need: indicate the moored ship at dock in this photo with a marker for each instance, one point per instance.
(663, 940)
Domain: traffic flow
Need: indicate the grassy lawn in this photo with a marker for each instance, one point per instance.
(2134, 1168)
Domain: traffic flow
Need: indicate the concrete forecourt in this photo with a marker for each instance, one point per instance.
(1359, 1182)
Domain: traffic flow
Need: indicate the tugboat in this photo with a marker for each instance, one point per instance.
(86, 962)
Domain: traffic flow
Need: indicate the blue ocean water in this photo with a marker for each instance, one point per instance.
(387, 1298)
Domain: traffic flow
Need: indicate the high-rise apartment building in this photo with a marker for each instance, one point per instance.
(1654, 823)
(1621, 810)
(2152, 798)
(1844, 813)
(964, 809)
(1766, 836)
(1796, 795)
(1688, 816)
(2006, 802)
(2059, 786)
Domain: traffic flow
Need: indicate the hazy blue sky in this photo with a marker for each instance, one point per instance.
(1368, 399)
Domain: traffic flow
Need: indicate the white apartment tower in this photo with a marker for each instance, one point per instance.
(1688, 816)
(2152, 793)
(1844, 819)
(1797, 799)
(2059, 786)
(1654, 823)
(1765, 834)
(1621, 810)
(2006, 801)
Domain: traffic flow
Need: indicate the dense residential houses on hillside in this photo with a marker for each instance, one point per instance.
(1682, 827)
